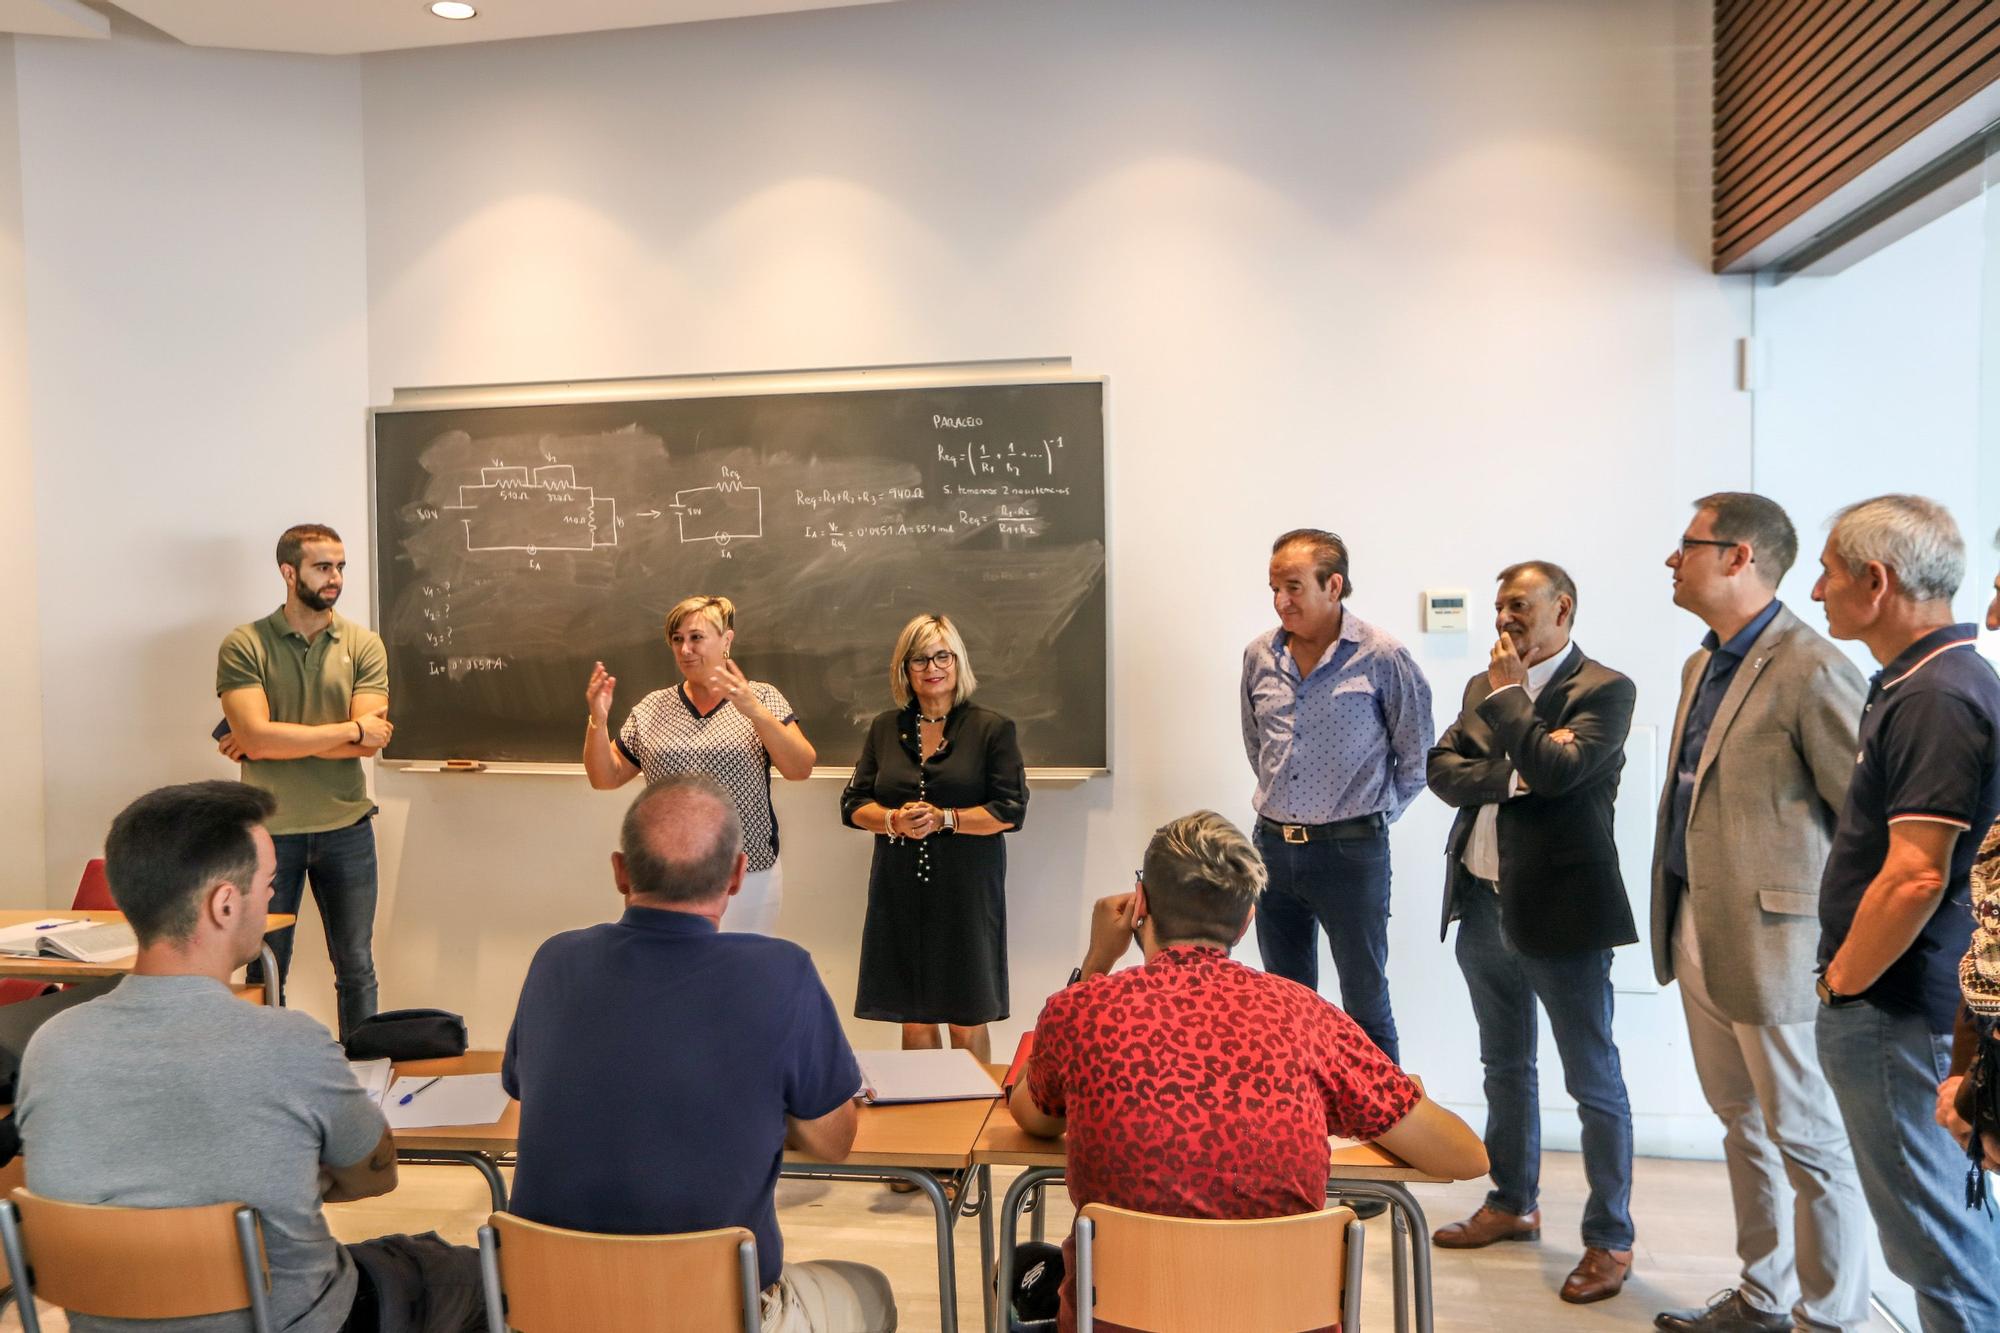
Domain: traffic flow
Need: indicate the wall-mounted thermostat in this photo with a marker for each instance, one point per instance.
(1445, 610)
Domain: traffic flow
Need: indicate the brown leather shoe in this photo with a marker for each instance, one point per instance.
(1598, 1276)
(1486, 1226)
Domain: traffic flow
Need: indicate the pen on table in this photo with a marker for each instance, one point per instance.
(411, 1095)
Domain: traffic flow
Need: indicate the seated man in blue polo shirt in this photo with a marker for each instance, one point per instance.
(663, 1067)
(1895, 898)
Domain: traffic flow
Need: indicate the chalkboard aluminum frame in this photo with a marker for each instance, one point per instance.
(733, 384)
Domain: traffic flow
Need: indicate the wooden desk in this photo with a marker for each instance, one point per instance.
(908, 1143)
(482, 1147)
(912, 1143)
(45, 968)
(1356, 1170)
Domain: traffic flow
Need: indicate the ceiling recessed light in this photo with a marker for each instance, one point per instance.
(453, 9)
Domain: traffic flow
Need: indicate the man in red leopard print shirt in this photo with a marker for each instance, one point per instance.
(1193, 1086)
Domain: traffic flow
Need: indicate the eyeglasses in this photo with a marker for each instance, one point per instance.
(1688, 543)
(943, 657)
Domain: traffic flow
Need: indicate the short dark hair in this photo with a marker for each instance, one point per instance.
(292, 545)
(1742, 516)
(1329, 554)
(663, 861)
(1202, 877)
(1553, 574)
(172, 845)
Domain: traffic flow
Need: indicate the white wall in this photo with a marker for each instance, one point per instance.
(1430, 275)
(21, 810)
(196, 361)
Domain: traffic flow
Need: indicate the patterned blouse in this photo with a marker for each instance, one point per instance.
(1197, 1087)
(665, 736)
(1979, 973)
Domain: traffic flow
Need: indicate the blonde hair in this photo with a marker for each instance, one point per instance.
(920, 631)
(721, 613)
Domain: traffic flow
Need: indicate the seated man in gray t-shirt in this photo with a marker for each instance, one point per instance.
(170, 1091)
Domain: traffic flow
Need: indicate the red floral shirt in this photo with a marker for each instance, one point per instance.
(1197, 1087)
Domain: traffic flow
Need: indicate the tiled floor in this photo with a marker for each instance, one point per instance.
(1681, 1209)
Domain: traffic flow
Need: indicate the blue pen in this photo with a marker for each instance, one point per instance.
(410, 1096)
(53, 925)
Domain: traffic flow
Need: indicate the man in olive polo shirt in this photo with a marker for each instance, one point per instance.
(306, 695)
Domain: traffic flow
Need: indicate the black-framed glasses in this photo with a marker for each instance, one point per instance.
(1688, 543)
(943, 657)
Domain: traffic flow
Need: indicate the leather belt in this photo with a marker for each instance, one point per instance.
(1361, 826)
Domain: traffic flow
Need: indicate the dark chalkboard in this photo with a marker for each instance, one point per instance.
(515, 544)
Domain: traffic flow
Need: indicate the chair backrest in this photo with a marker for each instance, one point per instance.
(1181, 1274)
(139, 1263)
(12, 1176)
(549, 1280)
(93, 891)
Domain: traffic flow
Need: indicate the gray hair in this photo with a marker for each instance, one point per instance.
(680, 840)
(1202, 877)
(1913, 537)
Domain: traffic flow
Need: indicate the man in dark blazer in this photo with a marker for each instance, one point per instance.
(1532, 878)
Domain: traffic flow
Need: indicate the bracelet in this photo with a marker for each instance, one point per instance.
(360, 736)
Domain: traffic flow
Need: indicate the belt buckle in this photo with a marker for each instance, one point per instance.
(1293, 832)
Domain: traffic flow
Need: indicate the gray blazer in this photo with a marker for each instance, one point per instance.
(1767, 791)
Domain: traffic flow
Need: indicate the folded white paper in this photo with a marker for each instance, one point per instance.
(923, 1076)
(373, 1076)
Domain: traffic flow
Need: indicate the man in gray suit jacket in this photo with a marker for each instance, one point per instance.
(1763, 747)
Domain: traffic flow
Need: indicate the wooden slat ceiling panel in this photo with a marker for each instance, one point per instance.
(1810, 63)
(1884, 68)
(1747, 22)
(1811, 93)
(1919, 107)
(1750, 68)
(1886, 104)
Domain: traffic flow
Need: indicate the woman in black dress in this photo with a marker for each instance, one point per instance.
(938, 782)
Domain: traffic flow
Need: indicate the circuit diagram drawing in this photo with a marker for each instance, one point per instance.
(534, 510)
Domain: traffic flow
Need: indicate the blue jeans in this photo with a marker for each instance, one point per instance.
(1341, 884)
(1885, 1069)
(1575, 989)
(341, 865)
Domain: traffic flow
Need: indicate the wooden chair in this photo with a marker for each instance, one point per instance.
(542, 1279)
(135, 1263)
(12, 1175)
(1186, 1275)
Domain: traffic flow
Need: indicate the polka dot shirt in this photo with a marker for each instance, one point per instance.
(1350, 739)
(664, 736)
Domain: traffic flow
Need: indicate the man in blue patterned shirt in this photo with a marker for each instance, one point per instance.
(1337, 724)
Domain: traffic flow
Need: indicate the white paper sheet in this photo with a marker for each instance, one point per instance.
(924, 1076)
(457, 1099)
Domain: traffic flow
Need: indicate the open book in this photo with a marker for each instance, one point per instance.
(62, 937)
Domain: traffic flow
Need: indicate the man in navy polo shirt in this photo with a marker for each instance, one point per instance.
(663, 1067)
(1895, 900)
